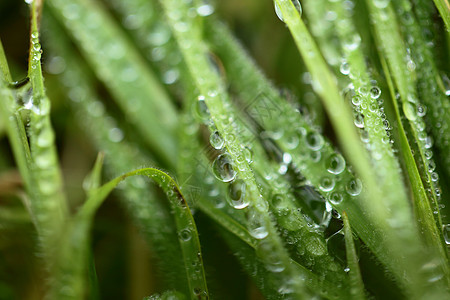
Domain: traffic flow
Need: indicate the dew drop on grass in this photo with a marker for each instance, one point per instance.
(296, 3)
(216, 140)
(410, 111)
(268, 254)
(256, 226)
(314, 140)
(237, 194)
(345, 68)
(336, 198)
(375, 92)
(223, 168)
(381, 3)
(45, 138)
(205, 10)
(359, 120)
(336, 164)
(327, 184)
(115, 135)
(354, 187)
(446, 232)
(201, 111)
(356, 100)
(248, 155)
(185, 235)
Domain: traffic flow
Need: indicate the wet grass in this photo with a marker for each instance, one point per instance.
(336, 188)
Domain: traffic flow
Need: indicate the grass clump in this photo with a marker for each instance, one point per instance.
(335, 189)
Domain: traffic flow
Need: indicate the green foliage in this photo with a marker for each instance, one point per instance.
(336, 190)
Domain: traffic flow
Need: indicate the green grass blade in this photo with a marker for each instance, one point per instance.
(158, 228)
(78, 234)
(356, 283)
(387, 32)
(124, 72)
(444, 9)
(188, 32)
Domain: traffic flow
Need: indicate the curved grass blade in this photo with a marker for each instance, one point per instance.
(38, 165)
(392, 47)
(77, 238)
(188, 33)
(158, 228)
(123, 71)
(444, 9)
(356, 283)
(376, 200)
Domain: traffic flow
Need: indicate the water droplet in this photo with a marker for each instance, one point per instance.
(375, 92)
(201, 111)
(336, 198)
(336, 164)
(421, 110)
(56, 65)
(115, 135)
(446, 232)
(345, 67)
(45, 138)
(354, 187)
(268, 254)
(409, 110)
(381, 3)
(314, 140)
(359, 120)
(248, 155)
(352, 42)
(223, 168)
(236, 194)
(205, 10)
(356, 100)
(327, 184)
(185, 235)
(296, 3)
(434, 176)
(287, 158)
(292, 142)
(171, 76)
(216, 140)
(256, 226)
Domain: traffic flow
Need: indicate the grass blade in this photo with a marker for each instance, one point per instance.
(77, 238)
(124, 73)
(357, 285)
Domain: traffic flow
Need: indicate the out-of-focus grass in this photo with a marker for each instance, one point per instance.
(330, 179)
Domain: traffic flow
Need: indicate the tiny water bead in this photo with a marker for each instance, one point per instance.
(336, 198)
(256, 225)
(237, 194)
(185, 235)
(375, 92)
(446, 232)
(268, 254)
(201, 111)
(345, 68)
(409, 110)
(314, 140)
(327, 184)
(356, 100)
(296, 4)
(205, 10)
(359, 120)
(223, 168)
(216, 140)
(381, 3)
(354, 187)
(336, 164)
